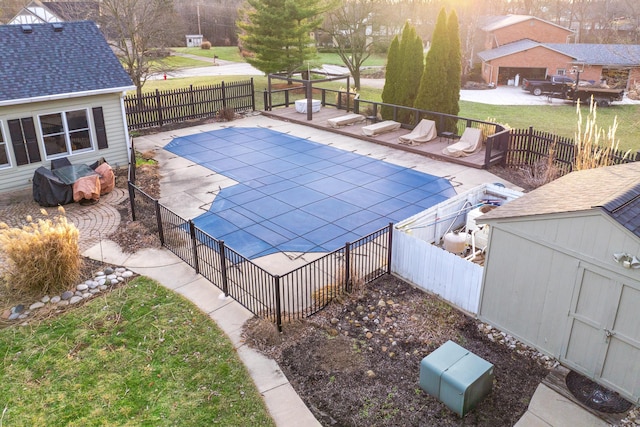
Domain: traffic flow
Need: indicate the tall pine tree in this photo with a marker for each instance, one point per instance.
(433, 91)
(391, 78)
(412, 60)
(277, 33)
(454, 66)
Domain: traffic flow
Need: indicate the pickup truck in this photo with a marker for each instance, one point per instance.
(552, 84)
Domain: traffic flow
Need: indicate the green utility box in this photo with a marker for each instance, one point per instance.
(456, 377)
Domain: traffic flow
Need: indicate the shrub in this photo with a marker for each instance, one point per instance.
(226, 114)
(205, 45)
(341, 97)
(44, 255)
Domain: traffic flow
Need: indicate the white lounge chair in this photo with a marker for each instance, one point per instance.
(469, 143)
(381, 127)
(345, 120)
(424, 132)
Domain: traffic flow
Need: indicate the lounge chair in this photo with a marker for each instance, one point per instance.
(469, 143)
(424, 132)
(345, 120)
(381, 127)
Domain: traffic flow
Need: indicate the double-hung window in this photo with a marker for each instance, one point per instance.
(4, 151)
(65, 133)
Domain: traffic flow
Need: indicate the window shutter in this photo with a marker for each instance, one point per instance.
(17, 141)
(31, 139)
(101, 131)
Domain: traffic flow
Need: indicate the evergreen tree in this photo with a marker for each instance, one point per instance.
(454, 64)
(432, 94)
(391, 78)
(412, 67)
(277, 33)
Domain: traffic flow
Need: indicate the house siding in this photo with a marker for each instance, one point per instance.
(533, 29)
(19, 177)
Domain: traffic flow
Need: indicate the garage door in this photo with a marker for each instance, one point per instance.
(509, 73)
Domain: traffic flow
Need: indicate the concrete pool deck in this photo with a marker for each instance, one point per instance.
(189, 189)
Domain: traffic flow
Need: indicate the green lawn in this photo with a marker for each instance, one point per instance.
(140, 355)
(559, 120)
(175, 62)
(334, 59)
(228, 53)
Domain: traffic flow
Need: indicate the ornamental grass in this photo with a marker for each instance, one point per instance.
(42, 256)
(594, 146)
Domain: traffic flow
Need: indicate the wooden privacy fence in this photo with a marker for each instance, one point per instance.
(529, 146)
(172, 106)
(295, 295)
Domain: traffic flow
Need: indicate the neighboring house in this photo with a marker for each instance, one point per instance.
(518, 47)
(34, 13)
(63, 96)
(560, 273)
(37, 12)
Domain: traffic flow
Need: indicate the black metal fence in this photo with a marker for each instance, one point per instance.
(172, 106)
(529, 146)
(295, 295)
(496, 136)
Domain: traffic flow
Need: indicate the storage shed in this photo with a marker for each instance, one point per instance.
(562, 273)
(194, 40)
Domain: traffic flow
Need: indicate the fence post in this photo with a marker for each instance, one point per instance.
(132, 196)
(253, 96)
(529, 144)
(347, 266)
(159, 221)
(265, 98)
(390, 248)
(159, 108)
(223, 268)
(194, 246)
(191, 101)
(276, 286)
(224, 96)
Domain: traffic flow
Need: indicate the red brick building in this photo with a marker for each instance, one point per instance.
(518, 47)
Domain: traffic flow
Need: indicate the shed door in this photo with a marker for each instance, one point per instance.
(604, 332)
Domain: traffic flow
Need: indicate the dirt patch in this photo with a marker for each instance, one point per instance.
(357, 363)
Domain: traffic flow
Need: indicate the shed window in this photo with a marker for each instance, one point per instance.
(24, 141)
(65, 133)
(4, 151)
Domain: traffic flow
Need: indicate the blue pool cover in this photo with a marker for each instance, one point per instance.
(296, 195)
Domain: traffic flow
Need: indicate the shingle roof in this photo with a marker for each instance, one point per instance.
(495, 22)
(508, 49)
(614, 189)
(592, 54)
(601, 54)
(47, 62)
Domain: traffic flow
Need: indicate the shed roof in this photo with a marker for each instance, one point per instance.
(72, 60)
(614, 189)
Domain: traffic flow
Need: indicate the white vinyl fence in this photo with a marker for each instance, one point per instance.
(440, 272)
(416, 259)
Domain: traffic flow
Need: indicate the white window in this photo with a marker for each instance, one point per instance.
(561, 72)
(65, 133)
(5, 161)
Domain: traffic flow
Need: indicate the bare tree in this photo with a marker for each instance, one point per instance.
(351, 27)
(136, 28)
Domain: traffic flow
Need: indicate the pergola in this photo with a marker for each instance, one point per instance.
(308, 85)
